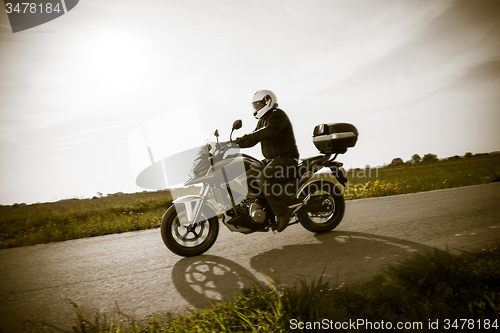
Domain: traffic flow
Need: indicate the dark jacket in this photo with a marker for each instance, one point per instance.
(275, 133)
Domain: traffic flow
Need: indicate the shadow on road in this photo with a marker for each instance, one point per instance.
(342, 257)
(207, 278)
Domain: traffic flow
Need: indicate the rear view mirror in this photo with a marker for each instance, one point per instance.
(237, 124)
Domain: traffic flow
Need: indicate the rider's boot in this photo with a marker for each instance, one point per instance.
(284, 219)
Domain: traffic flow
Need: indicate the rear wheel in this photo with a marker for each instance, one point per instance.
(326, 209)
(191, 240)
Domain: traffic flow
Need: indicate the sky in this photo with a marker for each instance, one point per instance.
(84, 95)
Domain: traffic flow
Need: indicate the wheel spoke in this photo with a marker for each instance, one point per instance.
(184, 237)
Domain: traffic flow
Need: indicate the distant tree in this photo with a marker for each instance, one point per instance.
(468, 155)
(452, 158)
(430, 158)
(397, 162)
(416, 158)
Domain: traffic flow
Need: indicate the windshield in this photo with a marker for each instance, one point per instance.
(173, 148)
(170, 135)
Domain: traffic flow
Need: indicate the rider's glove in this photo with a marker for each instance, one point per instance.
(239, 141)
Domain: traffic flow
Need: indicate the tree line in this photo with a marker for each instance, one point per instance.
(429, 158)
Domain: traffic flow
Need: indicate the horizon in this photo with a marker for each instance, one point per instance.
(99, 195)
(87, 100)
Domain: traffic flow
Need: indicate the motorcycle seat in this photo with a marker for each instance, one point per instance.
(308, 160)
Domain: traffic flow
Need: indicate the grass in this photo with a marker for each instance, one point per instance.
(78, 218)
(70, 219)
(425, 288)
(370, 182)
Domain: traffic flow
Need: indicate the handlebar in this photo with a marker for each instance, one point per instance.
(224, 146)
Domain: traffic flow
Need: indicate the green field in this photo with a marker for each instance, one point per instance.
(366, 183)
(78, 218)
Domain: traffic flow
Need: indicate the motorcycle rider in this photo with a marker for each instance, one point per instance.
(275, 133)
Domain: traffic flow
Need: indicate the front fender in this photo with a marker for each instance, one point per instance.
(192, 205)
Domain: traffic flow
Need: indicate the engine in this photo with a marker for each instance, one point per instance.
(257, 212)
(252, 208)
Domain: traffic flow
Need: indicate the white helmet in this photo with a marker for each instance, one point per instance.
(262, 102)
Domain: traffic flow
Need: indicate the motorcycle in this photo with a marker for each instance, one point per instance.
(229, 194)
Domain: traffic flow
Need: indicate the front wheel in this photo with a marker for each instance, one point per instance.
(327, 207)
(192, 240)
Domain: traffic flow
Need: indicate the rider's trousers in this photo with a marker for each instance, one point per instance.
(270, 180)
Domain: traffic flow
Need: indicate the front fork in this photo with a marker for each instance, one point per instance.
(192, 205)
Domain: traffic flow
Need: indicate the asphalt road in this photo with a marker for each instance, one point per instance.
(137, 272)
